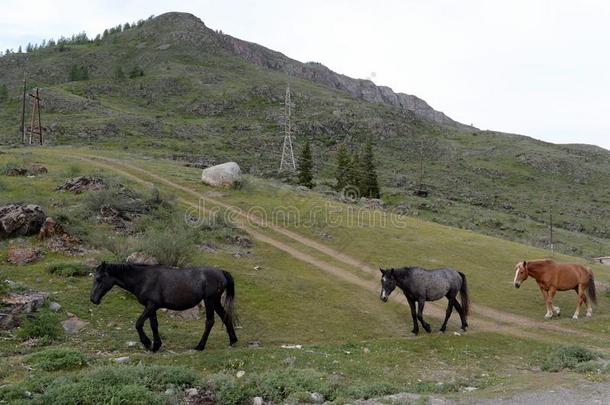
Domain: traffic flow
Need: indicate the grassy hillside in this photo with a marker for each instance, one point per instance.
(354, 346)
(200, 101)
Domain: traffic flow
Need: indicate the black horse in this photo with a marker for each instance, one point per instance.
(421, 285)
(177, 289)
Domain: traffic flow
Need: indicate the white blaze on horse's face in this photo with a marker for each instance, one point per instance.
(388, 283)
(520, 274)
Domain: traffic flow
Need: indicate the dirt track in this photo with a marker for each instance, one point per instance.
(488, 319)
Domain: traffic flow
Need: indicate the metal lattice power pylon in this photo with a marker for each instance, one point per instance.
(287, 161)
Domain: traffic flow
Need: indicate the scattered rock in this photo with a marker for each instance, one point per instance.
(240, 374)
(54, 306)
(303, 188)
(81, 184)
(223, 175)
(291, 346)
(15, 171)
(316, 397)
(20, 220)
(50, 228)
(457, 334)
(375, 203)
(131, 344)
(73, 324)
(121, 360)
(23, 255)
(191, 392)
(208, 247)
(32, 342)
(170, 391)
(257, 401)
(39, 169)
(289, 361)
(366, 350)
(254, 344)
(241, 241)
(15, 305)
(470, 389)
(142, 258)
(91, 263)
(111, 216)
(258, 268)
(66, 244)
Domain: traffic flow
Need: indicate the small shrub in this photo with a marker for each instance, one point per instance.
(43, 325)
(567, 357)
(68, 269)
(172, 246)
(57, 359)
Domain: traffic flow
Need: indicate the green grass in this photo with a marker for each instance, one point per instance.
(354, 346)
(56, 359)
(68, 269)
(43, 325)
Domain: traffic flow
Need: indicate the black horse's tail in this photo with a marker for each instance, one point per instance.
(229, 298)
(591, 288)
(464, 294)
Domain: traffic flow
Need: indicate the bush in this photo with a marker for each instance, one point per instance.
(68, 269)
(172, 246)
(57, 359)
(44, 325)
(78, 73)
(567, 357)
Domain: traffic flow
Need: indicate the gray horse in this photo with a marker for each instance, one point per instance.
(420, 285)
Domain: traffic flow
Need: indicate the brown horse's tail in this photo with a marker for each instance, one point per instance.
(464, 295)
(229, 299)
(591, 288)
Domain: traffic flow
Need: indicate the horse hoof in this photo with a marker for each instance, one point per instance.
(232, 343)
(575, 317)
(156, 347)
(414, 332)
(199, 348)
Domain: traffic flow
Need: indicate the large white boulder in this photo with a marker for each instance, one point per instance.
(224, 175)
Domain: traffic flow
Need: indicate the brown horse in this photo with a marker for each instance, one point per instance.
(552, 276)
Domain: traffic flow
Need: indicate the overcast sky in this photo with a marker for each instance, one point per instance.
(539, 68)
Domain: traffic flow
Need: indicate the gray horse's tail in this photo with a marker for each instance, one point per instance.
(591, 288)
(464, 294)
(229, 299)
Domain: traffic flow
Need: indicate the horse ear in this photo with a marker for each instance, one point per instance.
(392, 272)
(382, 271)
(524, 263)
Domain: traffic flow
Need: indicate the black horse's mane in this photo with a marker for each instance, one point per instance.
(114, 268)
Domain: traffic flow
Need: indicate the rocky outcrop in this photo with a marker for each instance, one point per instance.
(14, 306)
(224, 175)
(316, 72)
(22, 255)
(81, 184)
(20, 220)
(141, 258)
(189, 28)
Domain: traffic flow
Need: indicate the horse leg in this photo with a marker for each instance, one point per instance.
(154, 325)
(209, 322)
(589, 307)
(579, 301)
(549, 302)
(140, 326)
(227, 322)
(458, 307)
(420, 315)
(549, 309)
(448, 313)
(415, 330)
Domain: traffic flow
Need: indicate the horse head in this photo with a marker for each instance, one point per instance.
(102, 283)
(388, 284)
(520, 273)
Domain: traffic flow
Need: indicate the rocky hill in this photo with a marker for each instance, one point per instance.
(171, 87)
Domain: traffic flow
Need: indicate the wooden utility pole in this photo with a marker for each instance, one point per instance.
(35, 122)
(22, 126)
(551, 230)
(287, 153)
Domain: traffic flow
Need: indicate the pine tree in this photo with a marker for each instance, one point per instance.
(354, 173)
(19, 50)
(3, 93)
(343, 166)
(305, 175)
(369, 185)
